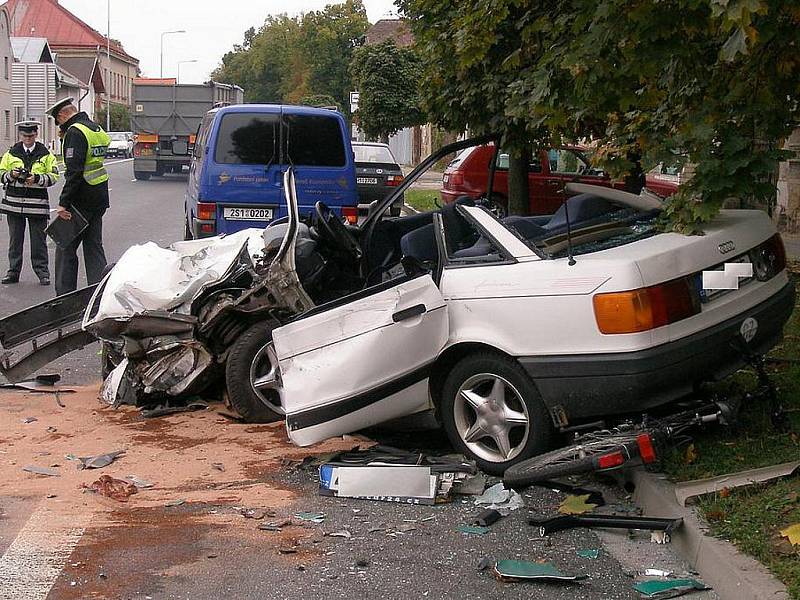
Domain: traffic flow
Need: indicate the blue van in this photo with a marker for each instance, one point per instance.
(241, 153)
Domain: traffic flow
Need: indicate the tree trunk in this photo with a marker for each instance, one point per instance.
(518, 192)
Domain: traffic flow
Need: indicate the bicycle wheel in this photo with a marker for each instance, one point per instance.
(571, 460)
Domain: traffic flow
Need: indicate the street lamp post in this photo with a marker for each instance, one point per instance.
(108, 60)
(183, 62)
(162, 47)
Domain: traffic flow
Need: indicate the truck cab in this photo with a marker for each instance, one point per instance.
(241, 153)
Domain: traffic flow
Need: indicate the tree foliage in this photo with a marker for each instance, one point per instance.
(120, 117)
(291, 58)
(718, 80)
(386, 77)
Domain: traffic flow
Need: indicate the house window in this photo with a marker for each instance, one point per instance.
(7, 124)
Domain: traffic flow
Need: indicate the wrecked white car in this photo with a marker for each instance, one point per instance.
(510, 330)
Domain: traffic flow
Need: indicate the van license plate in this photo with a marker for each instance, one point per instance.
(367, 180)
(234, 213)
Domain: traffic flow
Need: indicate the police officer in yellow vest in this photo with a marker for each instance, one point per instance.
(26, 171)
(85, 189)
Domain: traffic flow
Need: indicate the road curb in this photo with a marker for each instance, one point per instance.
(733, 575)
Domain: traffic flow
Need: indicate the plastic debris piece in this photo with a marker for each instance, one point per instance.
(658, 588)
(487, 517)
(218, 466)
(342, 534)
(116, 489)
(472, 485)
(588, 553)
(41, 470)
(523, 569)
(688, 489)
(95, 462)
(500, 499)
(657, 573)
(472, 529)
(576, 505)
(310, 516)
(406, 527)
(28, 420)
(177, 502)
(139, 483)
(793, 533)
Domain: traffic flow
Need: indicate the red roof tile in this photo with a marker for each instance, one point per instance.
(48, 19)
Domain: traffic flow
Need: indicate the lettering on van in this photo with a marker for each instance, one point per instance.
(249, 179)
(325, 183)
(224, 178)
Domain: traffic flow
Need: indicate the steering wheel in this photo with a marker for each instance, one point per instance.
(333, 231)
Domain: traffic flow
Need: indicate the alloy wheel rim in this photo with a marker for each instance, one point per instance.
(264, 378)
(491, 417)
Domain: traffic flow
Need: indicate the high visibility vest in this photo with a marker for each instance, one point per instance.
(93, 170)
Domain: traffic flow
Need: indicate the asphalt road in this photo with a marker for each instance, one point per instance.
(58, 543)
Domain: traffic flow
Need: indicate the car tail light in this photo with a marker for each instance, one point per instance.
(611, 460)
(769, 258)
(350, 213)
(453, 179)
(394, 180)
(208, 228)
(206, 211)
(646, 308)
(646, 449)
(143, 149)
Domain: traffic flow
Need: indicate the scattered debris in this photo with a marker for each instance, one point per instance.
(116, 489)
(472, 485)
(657, 573)
(588, 553)
(95, 462)
(515, 570)
(595, 496)
(177, 502)
(288, 549)
(576, 505)
(472, 529)
(254, 513)
(218, 466)
(28, 420)
(162, 411)
(792, 533)
(275, 525)
(548, 526)
(362, 563)
(406, 527)
(342, 534)
(500, 499)
(41, 383)
(670, 588)
(310, 516)
(485, 563)
(139, 483)
(487, 517)
(698, 487)
(41, 470)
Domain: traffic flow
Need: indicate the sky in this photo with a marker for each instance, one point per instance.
(212, 28)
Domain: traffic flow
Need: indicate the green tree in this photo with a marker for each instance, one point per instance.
(386, 77)
(120, 117)
(716, 79)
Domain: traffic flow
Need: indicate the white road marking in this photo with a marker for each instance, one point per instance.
(34, 560)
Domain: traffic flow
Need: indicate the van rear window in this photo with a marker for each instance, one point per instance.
(314, 141)
(247, 138)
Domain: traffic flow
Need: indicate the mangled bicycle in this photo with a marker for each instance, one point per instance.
(643, 442)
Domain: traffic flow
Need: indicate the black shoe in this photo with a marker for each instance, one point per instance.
(44, 280)
(10, 279)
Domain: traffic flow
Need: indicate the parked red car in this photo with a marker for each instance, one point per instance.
(468, 175)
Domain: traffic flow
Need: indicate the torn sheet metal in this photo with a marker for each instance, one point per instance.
(177, 367)
(150, 278)
(95, 462)
(669, 588)
(500, 499)
(698, 487)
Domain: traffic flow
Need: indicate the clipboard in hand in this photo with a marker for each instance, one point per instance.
(64, 232)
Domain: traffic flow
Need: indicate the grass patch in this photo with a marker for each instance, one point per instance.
(752, 518)
(423, 200)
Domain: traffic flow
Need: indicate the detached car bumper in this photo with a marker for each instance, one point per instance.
(602, 384)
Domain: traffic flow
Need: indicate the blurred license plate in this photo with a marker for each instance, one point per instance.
(367, 180)
(233, 213)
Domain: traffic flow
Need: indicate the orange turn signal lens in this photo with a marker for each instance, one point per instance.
(350, 213)
(646, 308)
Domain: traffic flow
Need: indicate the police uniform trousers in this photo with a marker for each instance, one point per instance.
(16, 242)
(94, 258)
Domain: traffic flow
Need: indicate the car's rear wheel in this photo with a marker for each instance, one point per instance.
(251, 372)
(492, 412)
